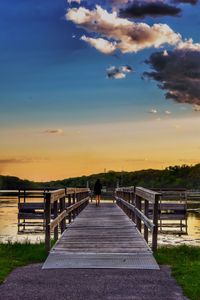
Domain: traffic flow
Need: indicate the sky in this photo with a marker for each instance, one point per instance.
(88, 86)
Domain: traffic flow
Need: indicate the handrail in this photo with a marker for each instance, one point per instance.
(142, 216)
(66, 212)
(55, 195)
(147, 194)
(130, 199)
(77, 199)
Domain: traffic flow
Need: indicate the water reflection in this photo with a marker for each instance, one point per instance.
(9, 229)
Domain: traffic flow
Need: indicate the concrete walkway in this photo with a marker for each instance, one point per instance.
(33, 283)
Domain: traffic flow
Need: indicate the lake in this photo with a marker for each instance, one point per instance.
(9, 228)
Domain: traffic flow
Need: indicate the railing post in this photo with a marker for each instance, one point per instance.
(47, 221)
(62, 208)
(155, 222)
(74, 201)
(69, 203)
(146, 212)
(138, 206)
(55, 213)
(78, 198)
(133, 203)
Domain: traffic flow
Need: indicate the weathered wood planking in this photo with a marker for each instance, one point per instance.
(56, 195)
(101, 237)
(146, 194)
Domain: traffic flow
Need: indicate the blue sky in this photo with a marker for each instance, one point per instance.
(49, 78)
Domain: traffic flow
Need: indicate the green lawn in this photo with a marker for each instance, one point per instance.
(185, 264)
(14, 255)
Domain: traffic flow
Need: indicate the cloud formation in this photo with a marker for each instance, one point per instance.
(15, 160)
(178, 72)
(154, 9)
(114, 72)
(153, 111)
(193, 2)
(167, 112)
(196, 107)
(120, 33)
(100, 44)
(54, 131)
(74, 1)
(124, 3)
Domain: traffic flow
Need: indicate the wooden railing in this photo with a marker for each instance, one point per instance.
(77, 199)
(135, 203)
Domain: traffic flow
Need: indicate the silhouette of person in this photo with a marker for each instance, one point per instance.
(97, 191)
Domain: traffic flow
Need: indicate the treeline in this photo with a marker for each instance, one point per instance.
(172, 177)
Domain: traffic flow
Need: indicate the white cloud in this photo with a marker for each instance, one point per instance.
(100, 44)
(167, 112)
(188, 45)
(196, 108)
(120, 33)
(165, 53)
(75, 1)
(127, 69)
(114, 72)
(153, 111)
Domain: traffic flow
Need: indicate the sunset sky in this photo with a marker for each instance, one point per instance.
(87, 86)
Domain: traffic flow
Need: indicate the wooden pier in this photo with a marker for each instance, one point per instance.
(101, 237)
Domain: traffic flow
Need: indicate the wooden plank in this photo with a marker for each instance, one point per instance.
(173, 216)
(146, 194)
(55, 195)
(70, 191)
(31, 216)
(173, 206)
(32, 205)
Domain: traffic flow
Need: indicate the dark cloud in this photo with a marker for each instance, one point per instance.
(193, 2)
(154, 9)
(178, 73)
(15, 161)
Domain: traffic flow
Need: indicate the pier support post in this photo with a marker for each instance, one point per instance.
(55, 212)
(62, 208)
(69, 204)
(155, 222)
(47, 221)
(146, 212)
(138, 206)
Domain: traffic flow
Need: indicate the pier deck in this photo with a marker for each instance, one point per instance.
(101, 237)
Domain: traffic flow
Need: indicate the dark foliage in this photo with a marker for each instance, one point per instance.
(172, 177)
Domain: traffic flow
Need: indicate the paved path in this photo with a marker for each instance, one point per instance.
(33, 283)
(101, 237)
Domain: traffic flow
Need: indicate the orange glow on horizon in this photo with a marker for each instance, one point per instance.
(86, 149)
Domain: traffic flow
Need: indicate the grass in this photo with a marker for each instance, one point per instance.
(185, 265)
(14, 255)
(184, 261)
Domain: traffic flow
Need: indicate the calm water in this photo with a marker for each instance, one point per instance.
(8, 227)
